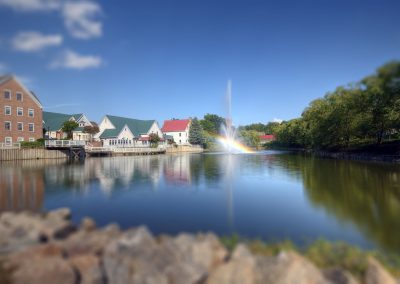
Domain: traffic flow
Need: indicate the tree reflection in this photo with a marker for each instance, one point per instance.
(365, 194)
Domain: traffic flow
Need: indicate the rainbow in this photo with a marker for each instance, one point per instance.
(234, 145)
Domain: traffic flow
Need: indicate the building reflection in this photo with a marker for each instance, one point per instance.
(176, 169)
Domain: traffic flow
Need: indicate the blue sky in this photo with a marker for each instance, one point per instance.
(152, 59)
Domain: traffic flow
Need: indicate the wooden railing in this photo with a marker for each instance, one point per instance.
(64, 143)
(10, 145)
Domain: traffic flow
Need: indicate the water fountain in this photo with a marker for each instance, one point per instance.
(228, 138)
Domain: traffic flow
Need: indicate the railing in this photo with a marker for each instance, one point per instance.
(10, 145)
(97, 149)
(137, 150)
(63, 143)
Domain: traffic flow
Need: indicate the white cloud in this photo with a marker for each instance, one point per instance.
(277, 120)
(80, 18)
(31, 5)
(35, 41)
(72, 60)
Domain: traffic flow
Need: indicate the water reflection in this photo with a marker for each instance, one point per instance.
(270, 195)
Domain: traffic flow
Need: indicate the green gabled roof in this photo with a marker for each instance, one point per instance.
(53, 121)
(81, 129)
(77, 116)
(136, 126)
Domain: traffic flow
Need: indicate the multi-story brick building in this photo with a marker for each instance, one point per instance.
(21, 115)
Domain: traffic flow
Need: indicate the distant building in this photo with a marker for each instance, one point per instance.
(116, 131)
(53, 123)
(21, 112)
(178, 129)
(266, 138)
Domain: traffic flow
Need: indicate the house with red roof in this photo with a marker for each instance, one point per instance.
(178, 129)
(266, 138)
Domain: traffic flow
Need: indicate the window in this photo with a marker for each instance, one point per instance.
(20, 126)
(20, 111)
(8, 140)
(31, 139)
(7, 95)
(31, 127)
(31, 112)
(7, 125)
(180, 134)
(20, 139)
(19, 97)
(7, 110)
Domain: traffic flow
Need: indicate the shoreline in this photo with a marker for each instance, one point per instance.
(37, 247)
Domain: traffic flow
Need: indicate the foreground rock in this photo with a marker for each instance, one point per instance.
(50, 249)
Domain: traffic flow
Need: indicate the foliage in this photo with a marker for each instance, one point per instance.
(69, 126)
(250, 137)
(368, 111)
(91, 129)
(154, 139)
(196, 133)
(33, 145)
(212, 123)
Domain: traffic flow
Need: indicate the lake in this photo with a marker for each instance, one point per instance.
(269, 195)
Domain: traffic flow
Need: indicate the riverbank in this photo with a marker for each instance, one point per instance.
(49, 248)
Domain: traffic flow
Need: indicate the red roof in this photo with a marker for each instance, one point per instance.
(175, 125)
(267, 137)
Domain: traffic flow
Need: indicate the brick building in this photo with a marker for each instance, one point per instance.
(20, 112)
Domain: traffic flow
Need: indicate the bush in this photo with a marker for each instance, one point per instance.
(33, 145)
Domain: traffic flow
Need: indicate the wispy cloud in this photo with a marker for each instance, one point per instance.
(277, 120)
(35, 41)
(81, 19)
(31, 5)
(72, 60)
(62, 105)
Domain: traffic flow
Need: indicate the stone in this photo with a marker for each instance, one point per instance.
(240, 269)
(376, 274)
(89, 269)
(337, 275)
(87, 224)
(288, 267)
(47, 270)
(59, 214)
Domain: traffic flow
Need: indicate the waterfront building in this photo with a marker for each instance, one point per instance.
(116, 131)
(178, 129)
(53, 123)
(20, 113)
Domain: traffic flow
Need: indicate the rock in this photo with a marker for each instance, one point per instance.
(138, 258)
(337, 275)
(59, 214)
(87, 224)
(288, 267)
(240, 269)
(44, 270)
(376, 274)
(88, 267)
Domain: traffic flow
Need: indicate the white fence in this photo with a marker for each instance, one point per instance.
(63, 143)
(10, 145)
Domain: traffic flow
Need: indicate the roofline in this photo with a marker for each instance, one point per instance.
(11, 76)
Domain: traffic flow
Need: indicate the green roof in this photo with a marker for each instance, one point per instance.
(53, 121)
(136, 126)
(77, 116)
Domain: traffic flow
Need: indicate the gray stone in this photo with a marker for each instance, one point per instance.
(376, 274)
(337, 275)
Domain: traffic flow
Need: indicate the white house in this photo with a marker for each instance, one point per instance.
(178, 129)
(118, 131)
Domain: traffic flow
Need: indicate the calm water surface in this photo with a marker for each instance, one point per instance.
(269, 195)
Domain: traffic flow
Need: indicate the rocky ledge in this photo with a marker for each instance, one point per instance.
(49, 248)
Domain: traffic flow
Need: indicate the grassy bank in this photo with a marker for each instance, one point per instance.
(324, 254)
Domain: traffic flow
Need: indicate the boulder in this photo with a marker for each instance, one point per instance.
(87, 224)
(288, 267)
(240, 269)
(339, 276)
(89, 269)
(376, 274)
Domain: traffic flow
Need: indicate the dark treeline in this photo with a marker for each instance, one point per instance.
(367, 112)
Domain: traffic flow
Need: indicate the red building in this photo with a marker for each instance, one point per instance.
(21, 114)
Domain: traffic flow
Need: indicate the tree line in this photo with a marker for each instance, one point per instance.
(367, 112)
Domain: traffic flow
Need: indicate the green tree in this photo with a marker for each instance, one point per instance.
(69, 126)
(212, 123)
(250, 137)
(154, 139)
(196, 133)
